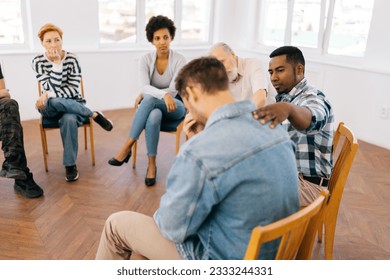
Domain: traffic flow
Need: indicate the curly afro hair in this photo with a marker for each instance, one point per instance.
(158, 22)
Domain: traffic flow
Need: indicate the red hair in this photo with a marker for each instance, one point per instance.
(47, 28)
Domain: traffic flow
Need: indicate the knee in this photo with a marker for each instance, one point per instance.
(12, 105)
(69, 120)
(147, 98)
(115, 221)
(53, 102)
(154, 118)
(148, 101)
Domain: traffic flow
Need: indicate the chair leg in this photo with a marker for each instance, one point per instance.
(134, 153)
(92, 142)
(45, 141)
(85, 138)
(177, 142)
(44, 146)
(320, 230)
(330, 229)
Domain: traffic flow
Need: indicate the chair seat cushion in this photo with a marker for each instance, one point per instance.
(170, 126)
(53, 122)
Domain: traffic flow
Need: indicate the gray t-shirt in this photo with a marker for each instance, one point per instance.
(161, 81)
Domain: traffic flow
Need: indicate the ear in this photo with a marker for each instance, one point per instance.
(192, 92)
(300, 69)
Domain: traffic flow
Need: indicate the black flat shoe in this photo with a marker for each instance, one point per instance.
(151, 181)
(115, 162)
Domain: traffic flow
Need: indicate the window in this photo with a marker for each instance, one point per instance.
(329, 26)
(306, 23)
(121, 21)
(350, 27)
(158, 7)
(275, 16)
(117, 21)
(11, 24)
(195, 25)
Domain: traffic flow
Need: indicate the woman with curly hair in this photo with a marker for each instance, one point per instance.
(157, 105)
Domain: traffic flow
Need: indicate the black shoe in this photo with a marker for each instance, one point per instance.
(116, 162)
(28, 187)
(105, 123)
(151, 181)
(72, 173)
(13, 173)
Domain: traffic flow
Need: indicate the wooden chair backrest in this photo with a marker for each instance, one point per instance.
(345, 146)
(291, 230)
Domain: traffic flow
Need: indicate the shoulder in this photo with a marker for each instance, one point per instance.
(148, 56)
(177, 55)
(311, 92)
(177, 60)
(251, 63)
(39, 58)
(69, 56)
(148, 60)
(313, 98)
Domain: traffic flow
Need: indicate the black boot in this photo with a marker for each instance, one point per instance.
(28, 187)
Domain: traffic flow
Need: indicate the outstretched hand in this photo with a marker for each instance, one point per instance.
(275, 113)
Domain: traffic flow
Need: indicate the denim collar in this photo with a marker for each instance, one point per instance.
(230, 110)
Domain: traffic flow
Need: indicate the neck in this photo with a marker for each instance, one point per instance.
(164, 55)
(214, 102)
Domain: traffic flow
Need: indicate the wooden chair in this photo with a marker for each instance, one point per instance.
(296, 232)
(52, 123)
(343, 152)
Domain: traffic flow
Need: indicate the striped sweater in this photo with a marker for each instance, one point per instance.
(61, 80)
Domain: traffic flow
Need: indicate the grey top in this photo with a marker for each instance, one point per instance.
(148, 67)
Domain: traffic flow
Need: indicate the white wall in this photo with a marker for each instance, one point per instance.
(357, 88)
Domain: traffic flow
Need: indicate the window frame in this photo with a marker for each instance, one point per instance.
(27, 38)
(141, 40)
(324, 32)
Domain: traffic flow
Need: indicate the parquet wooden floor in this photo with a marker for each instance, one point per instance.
(66, 223)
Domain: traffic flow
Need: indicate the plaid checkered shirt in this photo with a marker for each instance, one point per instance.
(314, 146)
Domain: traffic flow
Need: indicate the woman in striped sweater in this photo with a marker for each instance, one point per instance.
(59, 74)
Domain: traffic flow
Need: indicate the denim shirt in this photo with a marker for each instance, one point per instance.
(234, 175)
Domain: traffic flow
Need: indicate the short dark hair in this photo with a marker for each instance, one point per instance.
(206, 71)
(293, 54)
(158, 22)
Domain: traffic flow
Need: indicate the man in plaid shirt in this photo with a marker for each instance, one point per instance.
(307, 116)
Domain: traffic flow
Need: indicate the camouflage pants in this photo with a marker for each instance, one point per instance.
(11, 135)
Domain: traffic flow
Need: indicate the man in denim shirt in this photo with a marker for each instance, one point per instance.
(225, 181)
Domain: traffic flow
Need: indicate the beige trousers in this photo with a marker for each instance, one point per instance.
(126, 233)
(308, 191)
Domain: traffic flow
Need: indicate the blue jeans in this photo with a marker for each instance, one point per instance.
(70, 114)
(149, 116)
